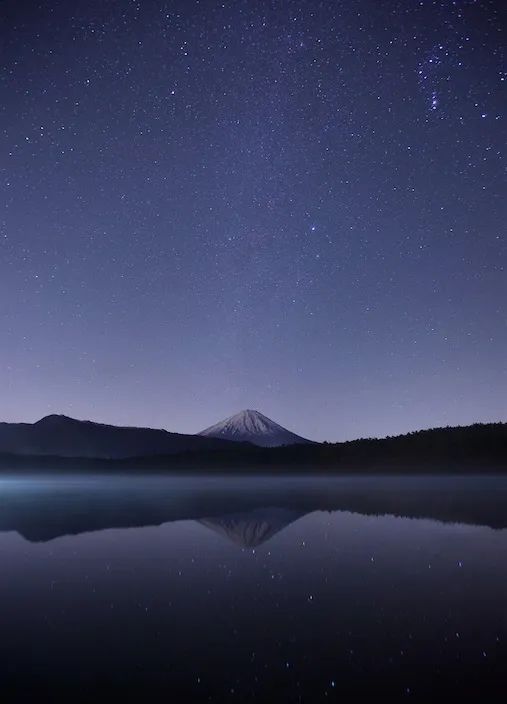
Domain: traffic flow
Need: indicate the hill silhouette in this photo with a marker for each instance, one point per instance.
(478, 447)
(62, 436)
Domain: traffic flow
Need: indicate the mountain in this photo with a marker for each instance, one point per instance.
(253, 427)
(68, 437)
(66, 444)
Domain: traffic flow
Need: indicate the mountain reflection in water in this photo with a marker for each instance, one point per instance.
(248, 510)
(251, 529)
(199, 589)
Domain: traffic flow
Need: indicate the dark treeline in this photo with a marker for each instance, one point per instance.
(462, 449)
(436, 450)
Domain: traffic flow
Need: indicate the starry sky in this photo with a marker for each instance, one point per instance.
(288, 205)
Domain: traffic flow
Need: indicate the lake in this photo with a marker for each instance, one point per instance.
(253, 589)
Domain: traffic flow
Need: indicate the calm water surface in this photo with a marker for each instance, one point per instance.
(253, 590)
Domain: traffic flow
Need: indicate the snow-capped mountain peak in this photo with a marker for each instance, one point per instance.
(253, 426)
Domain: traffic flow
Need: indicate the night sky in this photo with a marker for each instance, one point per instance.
(287, 205)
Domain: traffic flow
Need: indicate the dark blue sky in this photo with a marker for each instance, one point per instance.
(292, 206)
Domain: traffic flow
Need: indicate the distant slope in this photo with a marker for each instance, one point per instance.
(61, 436)
(254, 427)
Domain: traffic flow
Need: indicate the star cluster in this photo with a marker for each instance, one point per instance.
(297, 206)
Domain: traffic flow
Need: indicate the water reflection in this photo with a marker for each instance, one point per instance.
(253, 590)
(251, 528)
(248, 510)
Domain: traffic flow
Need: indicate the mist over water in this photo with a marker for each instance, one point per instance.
(252, 589)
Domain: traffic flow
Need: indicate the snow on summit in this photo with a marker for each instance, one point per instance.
(252, 426)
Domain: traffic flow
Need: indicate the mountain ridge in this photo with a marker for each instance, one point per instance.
(66, 443)
(63, 436)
